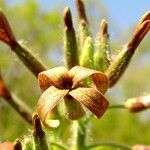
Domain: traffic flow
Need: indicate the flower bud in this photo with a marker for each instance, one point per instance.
(138, 104)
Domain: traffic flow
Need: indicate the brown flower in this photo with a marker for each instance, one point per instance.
(59, 83)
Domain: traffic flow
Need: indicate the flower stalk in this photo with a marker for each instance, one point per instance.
(18, 105)
(7, 36)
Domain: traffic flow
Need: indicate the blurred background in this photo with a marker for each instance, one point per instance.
(40, 24)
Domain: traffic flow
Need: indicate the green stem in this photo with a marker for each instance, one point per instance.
(81, 135)
(30, 61)
(121, 106)
(108, 144)
(62, 147)
(21, 108)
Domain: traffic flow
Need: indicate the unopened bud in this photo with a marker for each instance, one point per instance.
(138, 104)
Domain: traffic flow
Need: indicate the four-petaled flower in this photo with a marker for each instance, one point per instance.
(59, 83)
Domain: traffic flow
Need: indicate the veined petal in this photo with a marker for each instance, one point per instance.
(48, 100)
(81, 73)
(92, 99)
(52, 77)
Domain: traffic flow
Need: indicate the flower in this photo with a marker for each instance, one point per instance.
(59, 83)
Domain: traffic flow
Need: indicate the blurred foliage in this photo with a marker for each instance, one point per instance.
(43, 32)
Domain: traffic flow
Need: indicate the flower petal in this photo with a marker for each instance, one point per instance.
(52, 77)
(80, 73)
(48, 100)
(92, 99)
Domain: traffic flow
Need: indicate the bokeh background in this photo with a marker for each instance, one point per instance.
(40, 24)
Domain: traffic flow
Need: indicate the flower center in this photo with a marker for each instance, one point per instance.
(67, 83)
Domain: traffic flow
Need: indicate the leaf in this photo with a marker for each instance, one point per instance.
(92, 99)
(48, 100)
(81, 73)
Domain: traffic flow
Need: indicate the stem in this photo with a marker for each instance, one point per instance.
(81, 135)
(21, 108)
(18, 105)
(58, 146)
(121, 106)
(109, 144)
(29, 60)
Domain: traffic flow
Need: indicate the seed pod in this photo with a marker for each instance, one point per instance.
(102, 56)
(70, 44)
(86, 59)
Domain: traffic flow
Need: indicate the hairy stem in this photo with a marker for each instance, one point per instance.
(17, 104)
(30, 61)
(109, 144)
(81, 135)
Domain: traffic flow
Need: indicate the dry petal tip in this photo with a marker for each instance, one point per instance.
(68, 18)
(6, 34)
(17, 145)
